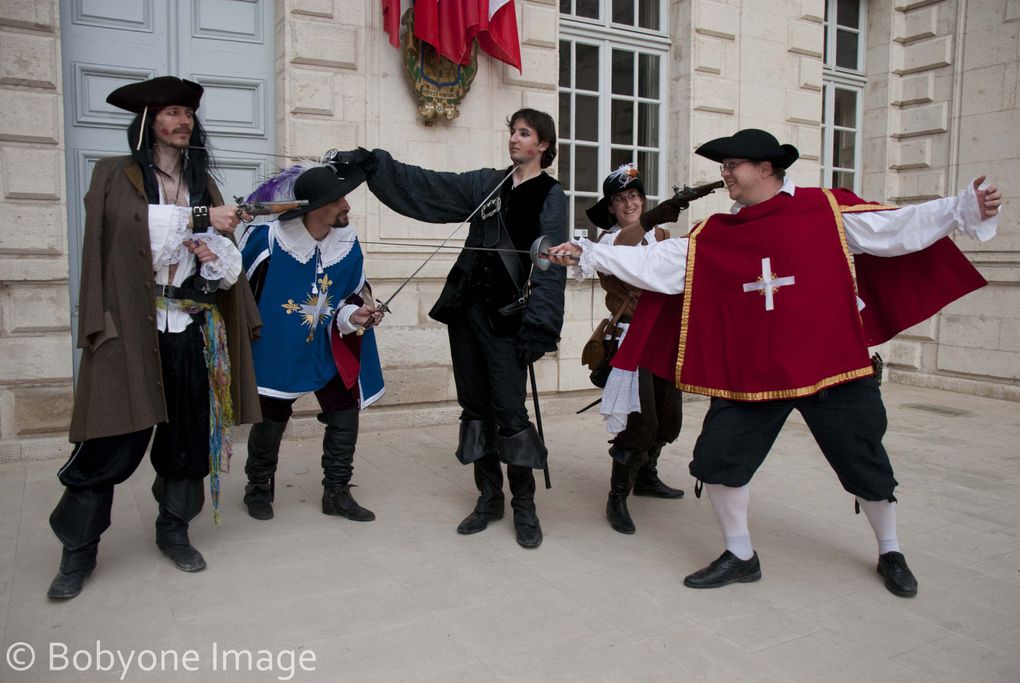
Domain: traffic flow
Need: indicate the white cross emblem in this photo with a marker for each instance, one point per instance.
(767, 283)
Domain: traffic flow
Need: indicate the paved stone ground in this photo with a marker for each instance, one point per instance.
(406, 598)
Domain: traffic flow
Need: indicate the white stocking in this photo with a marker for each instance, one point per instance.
(730, 504)
(882, 516)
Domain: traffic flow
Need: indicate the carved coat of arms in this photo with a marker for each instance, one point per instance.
(439, 84)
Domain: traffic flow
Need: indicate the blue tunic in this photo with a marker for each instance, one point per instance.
(298, 303)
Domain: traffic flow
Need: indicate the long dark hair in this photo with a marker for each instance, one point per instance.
(196, 167)
(543, 125)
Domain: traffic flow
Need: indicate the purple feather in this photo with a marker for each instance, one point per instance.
(280, 187)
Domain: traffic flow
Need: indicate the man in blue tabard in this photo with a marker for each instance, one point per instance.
(307, 272)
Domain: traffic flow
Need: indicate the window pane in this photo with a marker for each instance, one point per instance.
(588, 9)
(586, 117)
(648, 124)
(618, 157)
(848, 13)
(623, 12)
(845, 108)
(586, 169)
(843, 179)
(648, 166)
(622, 123)
(582, 226)
(843, 148)
(846, 49)
(564, 64)
(563, 168)
(586, 72)
(623, 72)
(648, 14)
(565, 7)
(648, 76)
(564, 121)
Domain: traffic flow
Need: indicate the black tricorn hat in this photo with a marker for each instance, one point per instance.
(322, 185)
(156, 92)
(624, 178)
(750, 143)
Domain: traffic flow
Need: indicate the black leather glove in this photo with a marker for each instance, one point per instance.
(360, 157)
(666, 212)
(526, 356)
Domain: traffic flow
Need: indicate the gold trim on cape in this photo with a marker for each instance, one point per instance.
(777, 394)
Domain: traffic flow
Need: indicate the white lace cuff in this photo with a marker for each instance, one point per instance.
(967, 214)
(584, 268)
(168, 228)
(227, 266)
(343, 319)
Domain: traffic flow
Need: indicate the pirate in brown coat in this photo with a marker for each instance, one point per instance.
(166, 321)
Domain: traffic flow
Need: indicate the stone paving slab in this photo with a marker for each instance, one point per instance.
(405, 598)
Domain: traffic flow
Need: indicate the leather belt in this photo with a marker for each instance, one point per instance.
(171, 292)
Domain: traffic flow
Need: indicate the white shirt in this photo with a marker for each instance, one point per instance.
(168, 229)
(661, 267)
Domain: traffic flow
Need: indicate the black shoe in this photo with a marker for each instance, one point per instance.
(898, 577)
(66, 585)
(477, 521)
(337, 500)
(727, 569)
(654, 488)
(184, 555)
(618, 514)
(258, 496)
(529, 531)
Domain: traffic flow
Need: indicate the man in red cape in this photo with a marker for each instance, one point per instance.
(783, 296)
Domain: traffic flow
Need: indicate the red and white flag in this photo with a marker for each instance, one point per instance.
(497, 33)
(451, 26)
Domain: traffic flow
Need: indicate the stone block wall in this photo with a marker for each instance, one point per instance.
(945, 112)
(35, 337)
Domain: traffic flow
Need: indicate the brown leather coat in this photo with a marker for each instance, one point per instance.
(120, 381)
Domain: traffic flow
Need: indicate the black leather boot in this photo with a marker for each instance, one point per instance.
(648, 483)
(526, 525)
(489, 507)
(337, 500)
(338, 444)
(78, 520)
(180, 501)
(263, 456)
(620, 483)
(75, 567)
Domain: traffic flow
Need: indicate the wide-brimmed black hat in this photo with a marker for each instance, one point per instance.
(626, 177)
(322, 185)
(156, 92)
(750, 143)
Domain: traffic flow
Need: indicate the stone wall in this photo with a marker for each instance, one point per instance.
(35, 338)
(942, 109)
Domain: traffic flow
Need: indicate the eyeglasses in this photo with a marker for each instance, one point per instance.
(621, 197)
(730, 165)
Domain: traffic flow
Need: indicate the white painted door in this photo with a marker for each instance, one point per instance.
(225, 45)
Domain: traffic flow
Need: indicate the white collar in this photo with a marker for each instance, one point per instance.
(294, 238)
(788, 187)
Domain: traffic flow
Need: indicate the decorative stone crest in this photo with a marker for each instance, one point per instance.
(439, 84)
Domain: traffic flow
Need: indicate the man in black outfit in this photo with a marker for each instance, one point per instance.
(500, 319)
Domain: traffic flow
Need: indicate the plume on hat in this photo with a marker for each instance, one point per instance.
(280, 187)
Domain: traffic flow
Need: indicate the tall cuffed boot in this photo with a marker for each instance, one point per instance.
(522, 488)
(489, 507)
(625, 468)
(180, 501)
(338, 444)
(263, 456)
(78, 520)
(648, 483)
